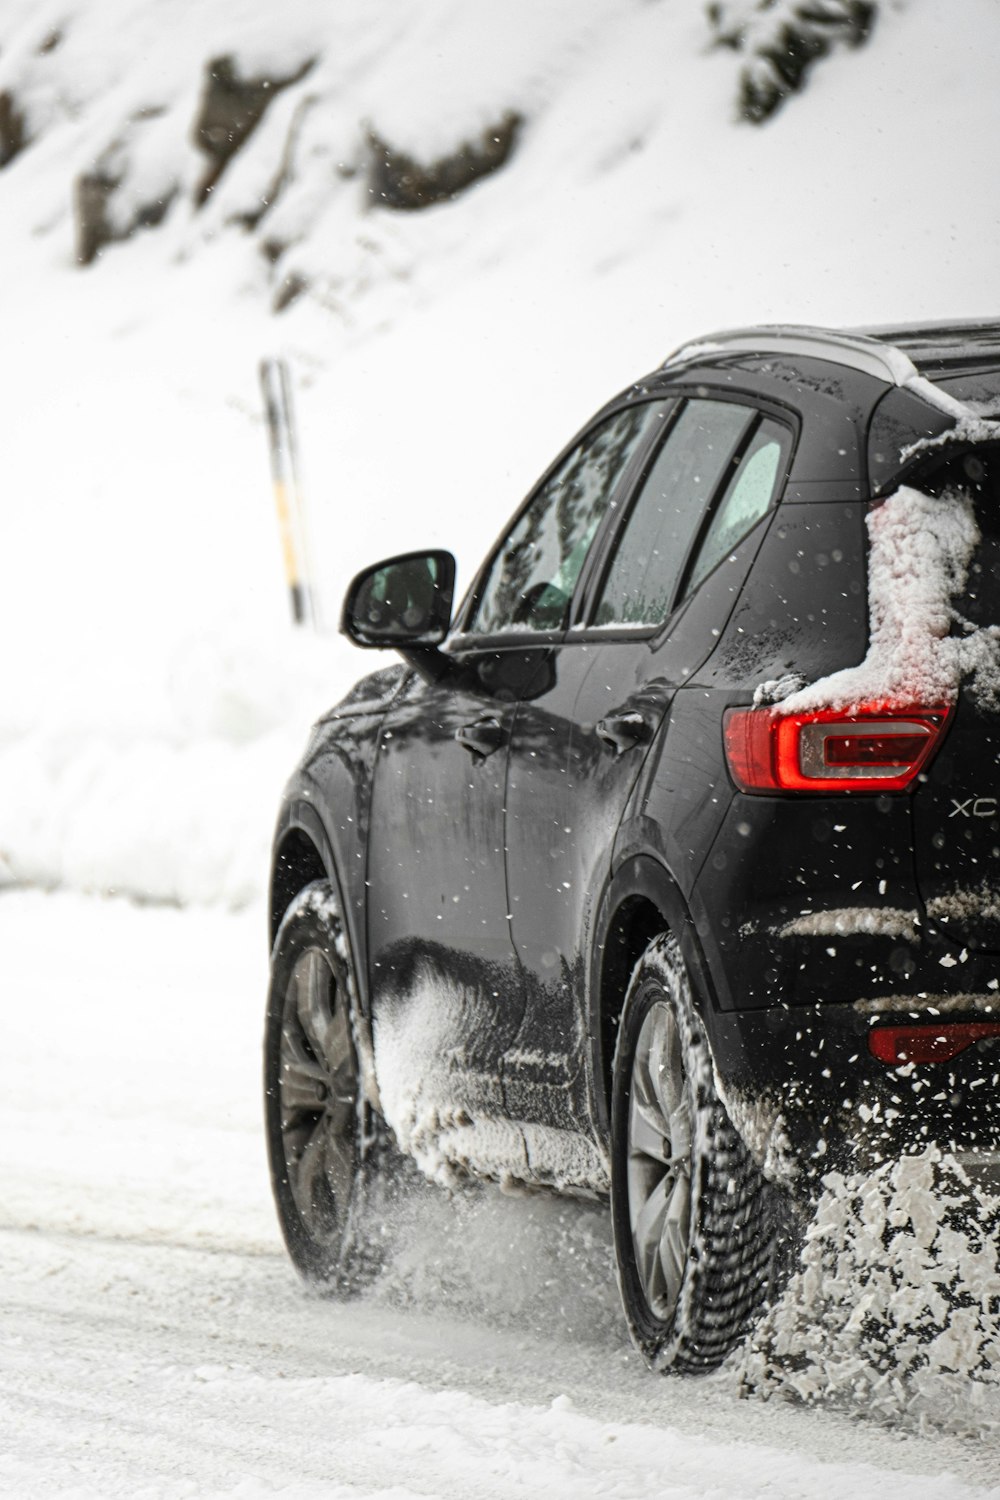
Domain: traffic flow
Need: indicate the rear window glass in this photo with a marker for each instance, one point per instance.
(749, 496)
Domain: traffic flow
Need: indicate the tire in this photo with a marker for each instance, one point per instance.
(328, 1147)
(692, 1220)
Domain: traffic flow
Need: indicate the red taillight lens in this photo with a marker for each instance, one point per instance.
(874, 749)
(927, 1043)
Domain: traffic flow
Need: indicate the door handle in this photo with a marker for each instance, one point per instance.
(481, 738)
(621, 732)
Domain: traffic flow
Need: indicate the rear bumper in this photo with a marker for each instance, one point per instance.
(811, 931)
(808, 1096)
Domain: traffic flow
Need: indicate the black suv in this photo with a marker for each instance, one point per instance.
(669, 867)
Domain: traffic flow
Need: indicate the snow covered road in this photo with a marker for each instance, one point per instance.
(154, 1341)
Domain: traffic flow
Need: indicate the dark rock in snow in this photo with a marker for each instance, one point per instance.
(91, 197)
(95, 223)
(13, 135)
(291, 287)
(782, 40)
(396, 180)
(231, 109)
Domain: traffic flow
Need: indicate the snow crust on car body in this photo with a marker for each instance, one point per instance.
(970, 426)
(929, 1004)
(886, 921)
(920, 550)
(965, 902)
(424, 1039)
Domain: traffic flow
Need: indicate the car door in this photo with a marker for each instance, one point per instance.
(577, 749)
(447, 987)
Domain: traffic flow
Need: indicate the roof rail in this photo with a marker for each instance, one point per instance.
(944, 348)
(857, 350)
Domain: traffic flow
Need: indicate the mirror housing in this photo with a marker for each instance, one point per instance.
(405, 603)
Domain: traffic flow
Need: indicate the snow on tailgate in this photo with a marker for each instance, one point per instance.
(921, 548)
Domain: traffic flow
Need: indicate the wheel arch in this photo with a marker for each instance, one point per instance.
(296, 863)
(642, 902)
(303, 851)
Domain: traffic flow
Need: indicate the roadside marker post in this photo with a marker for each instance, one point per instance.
(277, 391)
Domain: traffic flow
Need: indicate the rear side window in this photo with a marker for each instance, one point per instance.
(534, 572)
(669, 511)
(748, 496)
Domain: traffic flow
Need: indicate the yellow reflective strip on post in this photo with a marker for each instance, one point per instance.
(287, 538)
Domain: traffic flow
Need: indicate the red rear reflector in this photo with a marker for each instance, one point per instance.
(875, 749)
(927, 1043)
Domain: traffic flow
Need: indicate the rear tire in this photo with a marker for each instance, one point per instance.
(692, 1223)
(328, 1147)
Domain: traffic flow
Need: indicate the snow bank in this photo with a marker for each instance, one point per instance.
(130, 1072)
(895, 1308)
(920, 550)
(168, 793)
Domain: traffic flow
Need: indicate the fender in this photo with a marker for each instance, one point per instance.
(299, 814)
(641, 879)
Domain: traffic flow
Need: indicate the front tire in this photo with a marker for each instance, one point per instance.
(693, 1237)
(324, 1138)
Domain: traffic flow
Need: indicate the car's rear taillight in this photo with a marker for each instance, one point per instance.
(928, 1043)
(873, 749)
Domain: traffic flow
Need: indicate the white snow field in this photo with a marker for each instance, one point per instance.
(154, 1341)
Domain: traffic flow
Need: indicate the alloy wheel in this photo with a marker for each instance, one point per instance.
(660, 1138)
(318, 1092)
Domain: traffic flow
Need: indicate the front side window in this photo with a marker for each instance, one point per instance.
(534, 572)
(668, 512)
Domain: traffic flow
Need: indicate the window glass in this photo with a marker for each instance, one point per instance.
(534, 573)
(748, 497)
(668, 511)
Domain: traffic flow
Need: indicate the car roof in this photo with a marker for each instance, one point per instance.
(900, 354)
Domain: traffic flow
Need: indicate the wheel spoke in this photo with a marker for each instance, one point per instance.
(338, 1049)
(682, 1129)
(340, 1114)
(304, 1083)
(647, 1233)
(314, 983)
(308, 1171)
(666, 1065)
(674, 1241)
(339, 1167)
(647, 1131)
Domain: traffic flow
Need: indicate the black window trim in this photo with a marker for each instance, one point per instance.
(595, 571)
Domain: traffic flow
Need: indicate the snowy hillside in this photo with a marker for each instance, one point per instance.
(439, 356)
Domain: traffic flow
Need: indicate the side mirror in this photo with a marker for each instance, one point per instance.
(403, 602)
